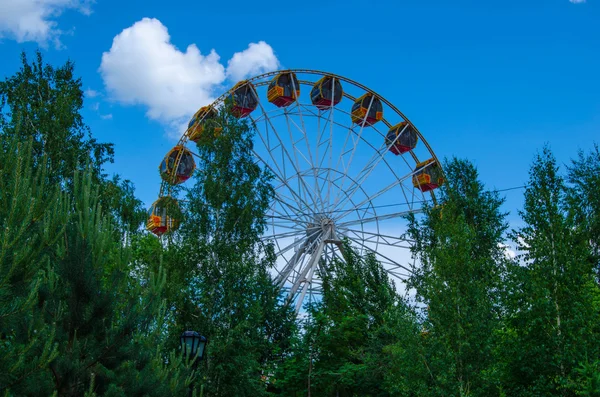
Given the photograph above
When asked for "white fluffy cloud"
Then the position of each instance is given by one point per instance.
(256, 59)
(144, 68)
(35, 20)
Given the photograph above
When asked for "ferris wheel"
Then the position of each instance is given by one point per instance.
(347, 164)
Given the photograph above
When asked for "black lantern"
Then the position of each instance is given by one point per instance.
(192, 345)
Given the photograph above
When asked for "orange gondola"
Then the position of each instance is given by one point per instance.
(181, 158)
(204, 118)
(164, 216)
(367, 109)
(243, 98)
(401, 138)
(326, 92)
(428, 176)
(284, 89)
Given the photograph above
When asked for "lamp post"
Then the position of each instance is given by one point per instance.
(192, 346)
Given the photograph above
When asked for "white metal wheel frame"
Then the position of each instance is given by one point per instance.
(333, 179)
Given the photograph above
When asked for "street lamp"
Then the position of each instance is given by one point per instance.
(192, 346)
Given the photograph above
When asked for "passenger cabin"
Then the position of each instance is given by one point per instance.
(205, 117)
(326, 92)
(177, 166)
(428, 176)
(164, 216)
(243, 98)
(367, 108)
(401, 138)
(284, 89)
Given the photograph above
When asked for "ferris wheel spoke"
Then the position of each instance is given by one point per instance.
(302, 129)
(297, 152)
(299, 200)
(285, 235)
(375, 218)
(370, 166)
(284, 201)
(295, 222)
(287, 154)
(379, 254)
(378, 194)
(376, 238)
(355, 142)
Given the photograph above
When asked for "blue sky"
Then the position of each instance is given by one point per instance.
(487, 80)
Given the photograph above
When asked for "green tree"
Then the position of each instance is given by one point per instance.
(554, 312)
(43, 103)
(459, 246)
(75, 317)
(353, 335)
(221, 266)
(583, 195)
(32, 214)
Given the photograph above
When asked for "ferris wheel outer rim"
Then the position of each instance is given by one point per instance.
(165, 185)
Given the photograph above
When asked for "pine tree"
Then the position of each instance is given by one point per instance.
(109, 326)
(554, 311)
(459, 246)
(33, 214)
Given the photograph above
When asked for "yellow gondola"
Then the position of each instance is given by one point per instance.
(164, 216)
(326, 92)
(184, 160)
(244, 99)
(401, 138)
(284, 89)
(370, 104)
(428, 176)
(205, 117)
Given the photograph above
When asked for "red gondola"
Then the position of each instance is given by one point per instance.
(182, 158)
(428, 176)
(367, 108)
(401, 138)
(244, 99)
(284, 89)
(164, 216)
(326, 92)
(206, 116)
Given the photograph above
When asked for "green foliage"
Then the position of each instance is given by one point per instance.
(221, 266)
(350, 335)
(459, 245)
(42, 103)
(32, 214)
(91, 305)
(583, 196)
(554, 313)
(74, 319)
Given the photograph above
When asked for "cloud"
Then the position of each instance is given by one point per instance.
(577, 1)
(256, 59)
(91, 93)
(509, 252)
(144, 68)
(35, 20)
(106, 116)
